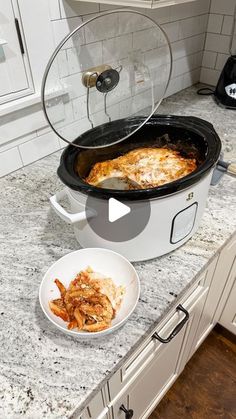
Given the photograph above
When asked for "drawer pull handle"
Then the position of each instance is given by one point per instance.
(176, 329)
(128, 413)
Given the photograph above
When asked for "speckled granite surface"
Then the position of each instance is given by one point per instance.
(45, 374)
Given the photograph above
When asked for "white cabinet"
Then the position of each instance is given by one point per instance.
(148, 4)
(15, 77)
(226, 273)
(228, 317)
(144, 380)
(213, 287)
(228, 299)
(97, 408)
(195, 311)
(136, 389)
(156, 378)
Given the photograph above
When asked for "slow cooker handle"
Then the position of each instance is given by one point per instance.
(228, 166)
(63, 214)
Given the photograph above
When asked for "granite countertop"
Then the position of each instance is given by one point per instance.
(44, 373)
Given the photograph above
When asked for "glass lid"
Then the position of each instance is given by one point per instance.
(114, 66)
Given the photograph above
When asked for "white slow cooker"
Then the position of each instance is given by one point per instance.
(100, 91)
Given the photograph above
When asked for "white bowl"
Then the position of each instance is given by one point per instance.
(108, 263)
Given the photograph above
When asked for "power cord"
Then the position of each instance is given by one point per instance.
(205, 91)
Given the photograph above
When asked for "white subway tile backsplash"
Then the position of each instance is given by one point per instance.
(187, 64)
(191, 77)
(43, 131)
(105, 7)
(221, 60)
(72, 131)
(227, 25)
(71, 8)
(209, 59)
(200, 7)
(39, 147)
(101, 29)
(224, 7)
(146, 40)
(217, 39)
(88, 56)
(117, 48)
(10, 161)
(54, 9)
(234, 45)
(63, 27)
(79, 108)
(215, 23)
(172, 30)
(188, 46)
(217, 43)
(162, 15)
(182, 11)
(17, 141)
(137, 23)
(21, 123)
(175, 85)
(63, 63)
(209, 76)
(74, 86)
(193, 26)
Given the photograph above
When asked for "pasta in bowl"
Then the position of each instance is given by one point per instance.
(88, 302)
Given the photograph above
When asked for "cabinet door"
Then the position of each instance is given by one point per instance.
(214, 283)
(225, 273)
(14, 72)
(195, 312)
(155, 379)
(228, 317)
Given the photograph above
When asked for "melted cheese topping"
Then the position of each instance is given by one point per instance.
(141, 168)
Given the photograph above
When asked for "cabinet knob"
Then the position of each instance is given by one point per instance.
(128, 413)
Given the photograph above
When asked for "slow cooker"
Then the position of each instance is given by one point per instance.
(100, 94)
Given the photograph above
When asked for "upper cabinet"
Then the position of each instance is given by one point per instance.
(148, 4)
(26, 43)
(15, 77)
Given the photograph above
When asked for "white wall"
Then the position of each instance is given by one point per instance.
(219, 30)
(23, 142)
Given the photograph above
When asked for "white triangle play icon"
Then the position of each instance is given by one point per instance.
(117, 210)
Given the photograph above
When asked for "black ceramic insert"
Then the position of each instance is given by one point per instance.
(189, 135)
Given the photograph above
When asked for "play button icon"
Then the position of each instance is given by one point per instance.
(116, 219)
(117, 210)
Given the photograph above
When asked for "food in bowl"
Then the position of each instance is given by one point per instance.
(141, 168)
(89, 303)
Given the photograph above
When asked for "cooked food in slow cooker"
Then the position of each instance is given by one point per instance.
(90, 302)
(141, 168)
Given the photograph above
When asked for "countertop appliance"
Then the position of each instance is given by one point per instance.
(225, 92)
(100, 92)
